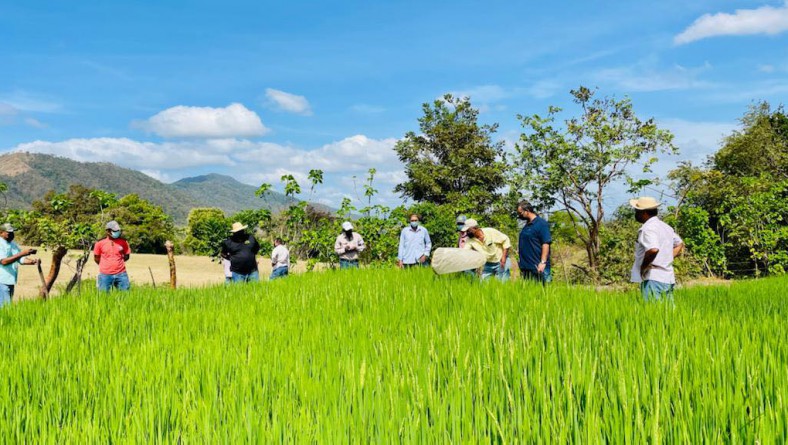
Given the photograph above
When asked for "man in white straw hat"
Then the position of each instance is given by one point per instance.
(348, 246)
(494, 244)
(240, 248)
(656, 246)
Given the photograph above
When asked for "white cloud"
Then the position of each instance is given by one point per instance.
(132, 154)
(288, 102)
(35, 123)
(181, 121)
(764, 20)
(645, 76)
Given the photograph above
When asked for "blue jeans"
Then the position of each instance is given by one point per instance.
(655, 290)
(119, 281)
(495, 269)
(241, 278)
(348, 264)
(6, 294)
(533, 275)
(279, 272)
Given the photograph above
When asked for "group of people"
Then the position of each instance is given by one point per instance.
(656, 247)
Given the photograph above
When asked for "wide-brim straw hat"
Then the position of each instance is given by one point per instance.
(644, 203)
(237, 227)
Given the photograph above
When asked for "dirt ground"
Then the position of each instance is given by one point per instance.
(193, 271)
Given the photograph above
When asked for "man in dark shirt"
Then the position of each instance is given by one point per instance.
(240, 249)
(534, 245)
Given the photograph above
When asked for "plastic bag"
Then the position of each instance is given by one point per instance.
(450, 260)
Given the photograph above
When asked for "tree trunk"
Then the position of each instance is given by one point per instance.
(77, 278)
(171, 257)
(58, 253)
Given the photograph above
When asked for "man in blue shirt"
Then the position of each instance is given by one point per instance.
(414, 245)
(11, 256)
(534, 245)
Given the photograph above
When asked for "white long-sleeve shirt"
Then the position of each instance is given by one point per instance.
(280, 257)
(348, 249)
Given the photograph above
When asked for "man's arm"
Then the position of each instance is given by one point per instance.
(648, 258)
(360, 244)
(543, 259)
(14, 258)
(401, 251)
(338, 246)
(678, 249)
(427, 246)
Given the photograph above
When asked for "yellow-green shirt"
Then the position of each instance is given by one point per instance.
(492, 247)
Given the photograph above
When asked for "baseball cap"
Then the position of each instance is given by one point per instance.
(469, 224)
(7, 227)
(347, 226)
(461, 219)
(113, 225)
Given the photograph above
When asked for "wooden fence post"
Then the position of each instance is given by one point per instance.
(171, 257)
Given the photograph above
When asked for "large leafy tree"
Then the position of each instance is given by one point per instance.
(145, 225)
(452, 158)
(573, 167)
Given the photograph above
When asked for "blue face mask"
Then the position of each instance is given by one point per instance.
(115, 234)
(459, 227)
(414, 224)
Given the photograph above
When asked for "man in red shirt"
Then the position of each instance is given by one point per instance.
(111, 254)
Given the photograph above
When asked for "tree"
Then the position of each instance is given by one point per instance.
(574, 167)
(452, 159)
(205, 231)
(145, 225)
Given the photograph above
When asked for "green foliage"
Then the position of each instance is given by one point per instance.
(145, 225)
(389, 356)
(573, 167)
(692, 224)
(760, 148)
(452, 158)
(206, 230)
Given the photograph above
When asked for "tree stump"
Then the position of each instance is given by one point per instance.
(171, 257)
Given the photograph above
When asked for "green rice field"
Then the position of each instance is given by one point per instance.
(388, 356)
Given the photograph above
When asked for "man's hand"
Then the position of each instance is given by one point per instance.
(644, 271)
(541, 267)
(399, 264)
(33, 261)
(27, 252)
(503, 263)
(422, 259)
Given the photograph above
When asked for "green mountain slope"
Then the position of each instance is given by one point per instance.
(30, 175)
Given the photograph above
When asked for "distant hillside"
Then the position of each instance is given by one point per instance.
(228, 194)
(30, 176)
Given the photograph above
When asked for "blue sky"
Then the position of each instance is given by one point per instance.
(257, 89)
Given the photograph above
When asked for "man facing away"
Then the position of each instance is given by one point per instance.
(11, 256)
(111, 254)
(280, 260)
(534, 245)
(348, 246)
(240, 248)
(494, 245)
(414, 244)
(657, 245)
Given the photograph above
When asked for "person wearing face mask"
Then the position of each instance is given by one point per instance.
(111, 254)
(11, 256)
(463, 235)
(348, 246)
(534, 245)
(494, 244)
(414, 244)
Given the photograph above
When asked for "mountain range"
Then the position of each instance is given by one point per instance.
(29, 176)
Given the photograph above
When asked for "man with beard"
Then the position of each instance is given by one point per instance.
(240, 248)
(534, 245)
(348, 246)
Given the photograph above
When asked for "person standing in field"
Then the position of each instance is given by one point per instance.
(414, 244)
(534, 245)
(11, 256)
(656, 247)
(240, 248)
(111, 254)
(280, 260)
(463, 235)
(494, 245)
(348, 246)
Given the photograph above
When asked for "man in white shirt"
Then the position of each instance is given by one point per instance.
(657, 245)
(11, 256)
(348, 246)
(280, 260)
